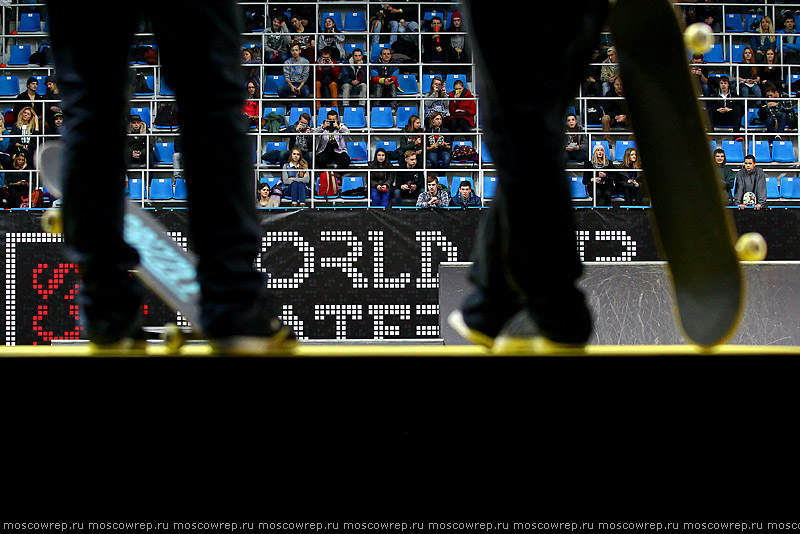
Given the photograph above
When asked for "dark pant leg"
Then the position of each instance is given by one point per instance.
(94, 90)
(200, 52)
(530, 251)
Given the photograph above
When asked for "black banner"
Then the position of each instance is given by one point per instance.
(338, 273)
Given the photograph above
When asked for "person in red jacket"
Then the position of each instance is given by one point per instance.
(462, 110)
(328, 75)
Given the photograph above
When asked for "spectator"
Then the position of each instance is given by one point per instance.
(701, 73)
(459, 47)
(437, 100)
(277, 42)
(777, 112)
(332, 147)
(576, 143)
(435, 44)
(751, 185)
(5, 142)
(296, 71)
(462, 109)
(332, 37)
(30, 98)
(726, 110)
(609, 70)
(599, 183)
(412, 141)
(748, 78)
(327, 78)
(772, 72)
(137, 141)
(465, 196)
(789, 46)
(727, 176)
(52, 98)
(252, 106)
(592, 84)
(296, 178)
(263, 200)
(399, 22)
(383, 79)
(438, 144)
(381, 180)
(177, 157)
(433, 196)
(53, 127)
(630, 183)
(614, 114)
(303, 38)
(354, 78)
(408, 181)
(765, 40)
(16, 183)
(24, 132)
(301, 137)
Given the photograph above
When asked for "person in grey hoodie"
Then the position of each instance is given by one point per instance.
(751, 179)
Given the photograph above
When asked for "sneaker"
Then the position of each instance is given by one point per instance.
(128, 346)
(521, 335)
(473, 335)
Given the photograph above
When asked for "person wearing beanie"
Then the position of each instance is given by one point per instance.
(458, 51)
(28, 96)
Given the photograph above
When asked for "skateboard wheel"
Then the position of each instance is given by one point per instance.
(52, 222)
(751, 247)
(173, 338)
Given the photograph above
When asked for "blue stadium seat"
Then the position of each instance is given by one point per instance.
(271, 84)
(381, 117)
(427, 81)
(753, 120)
(349, 184)
(489, 185)
(620, 147)
(29, 22)
(486, 157)
(576, 187)
(135, 188)
(733, 22)
(445, 181)
(294, 113)
(462, 143)
(737, 53)
(760, 149)
(163, 153)
(783, 152)
(164, 89)
(451, 80)
(388, 146)
(337, 19)
(180, 189)
(269, 146)
(277, 110)
(20, 55)
(41, 89)
(160, 189)
(750, 20)
(772, 187)
(355, 21)
(150, 84)
(144, 113)
(734, 152)
(408, 84)
(715, 55)
(355, 117)
(790, 187)
(404, 113)
(357, 150)
(793, 82)
(9, 85)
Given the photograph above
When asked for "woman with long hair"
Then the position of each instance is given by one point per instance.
(771, 71)
(749, 77)
(600, 182)
(381, 180)
(24, 131)
(631, 181)
(296, 178)
(764, 40)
